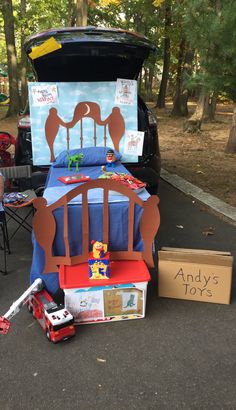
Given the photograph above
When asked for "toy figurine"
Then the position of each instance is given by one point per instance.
(77, 158)
(110, 158)
(99, 249)
(99, 261)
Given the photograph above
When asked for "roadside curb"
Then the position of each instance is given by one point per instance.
(220, 207)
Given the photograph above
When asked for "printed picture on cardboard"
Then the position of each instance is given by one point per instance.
(126, 92)
(133, 144)
(44, 95)
(85, 305)
(123, 301)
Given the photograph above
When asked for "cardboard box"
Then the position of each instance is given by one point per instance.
(192, 274)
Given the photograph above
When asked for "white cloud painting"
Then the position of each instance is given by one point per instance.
(69, 96)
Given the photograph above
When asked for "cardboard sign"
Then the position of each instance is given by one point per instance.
(198, 275)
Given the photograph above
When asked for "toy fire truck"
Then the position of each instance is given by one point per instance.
(56, 321)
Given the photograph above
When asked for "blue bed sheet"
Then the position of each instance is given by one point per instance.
(118, 236)
(55, 188)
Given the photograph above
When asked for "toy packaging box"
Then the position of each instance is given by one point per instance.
(99, 261)
(99, 268)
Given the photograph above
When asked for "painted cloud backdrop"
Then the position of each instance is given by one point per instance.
(67, 96)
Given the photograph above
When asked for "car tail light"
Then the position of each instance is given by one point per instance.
(24, 121)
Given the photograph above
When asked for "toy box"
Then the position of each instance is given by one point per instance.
(200, 275)
(121, 297)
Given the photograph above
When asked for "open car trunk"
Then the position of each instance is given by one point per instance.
(90, 54)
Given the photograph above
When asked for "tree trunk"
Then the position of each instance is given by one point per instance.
(185, 60)
(145, 70)
(81, 12)
(70, 14)
(210, 107)
(149, 82)
(138, 22)
(193, 124)
(177, 103)
(166, 58)
(231, 144)
(140, 79)
(7, 11)
(24, 61)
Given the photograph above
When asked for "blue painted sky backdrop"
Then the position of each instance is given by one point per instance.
(69, 95)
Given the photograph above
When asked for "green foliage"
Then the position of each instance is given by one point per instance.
(3, 57)
(136, 15)
(214, 38)
(39, 16)
(207, 25)
(36, 17)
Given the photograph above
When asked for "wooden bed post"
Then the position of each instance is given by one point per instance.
(81, 133)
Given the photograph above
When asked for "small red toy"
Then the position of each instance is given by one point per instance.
(129, 180)
(73, 179)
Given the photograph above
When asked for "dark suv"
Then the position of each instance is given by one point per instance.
(90, 54)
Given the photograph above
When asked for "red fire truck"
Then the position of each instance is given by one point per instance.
(56, 321)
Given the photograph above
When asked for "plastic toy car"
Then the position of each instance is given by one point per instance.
(91, 54)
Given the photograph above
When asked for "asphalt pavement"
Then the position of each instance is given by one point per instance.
(181, 356)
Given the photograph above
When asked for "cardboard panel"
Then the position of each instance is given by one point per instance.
(75, 115)
(195, 275)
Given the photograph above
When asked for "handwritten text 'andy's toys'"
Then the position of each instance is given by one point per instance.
(199, 284)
